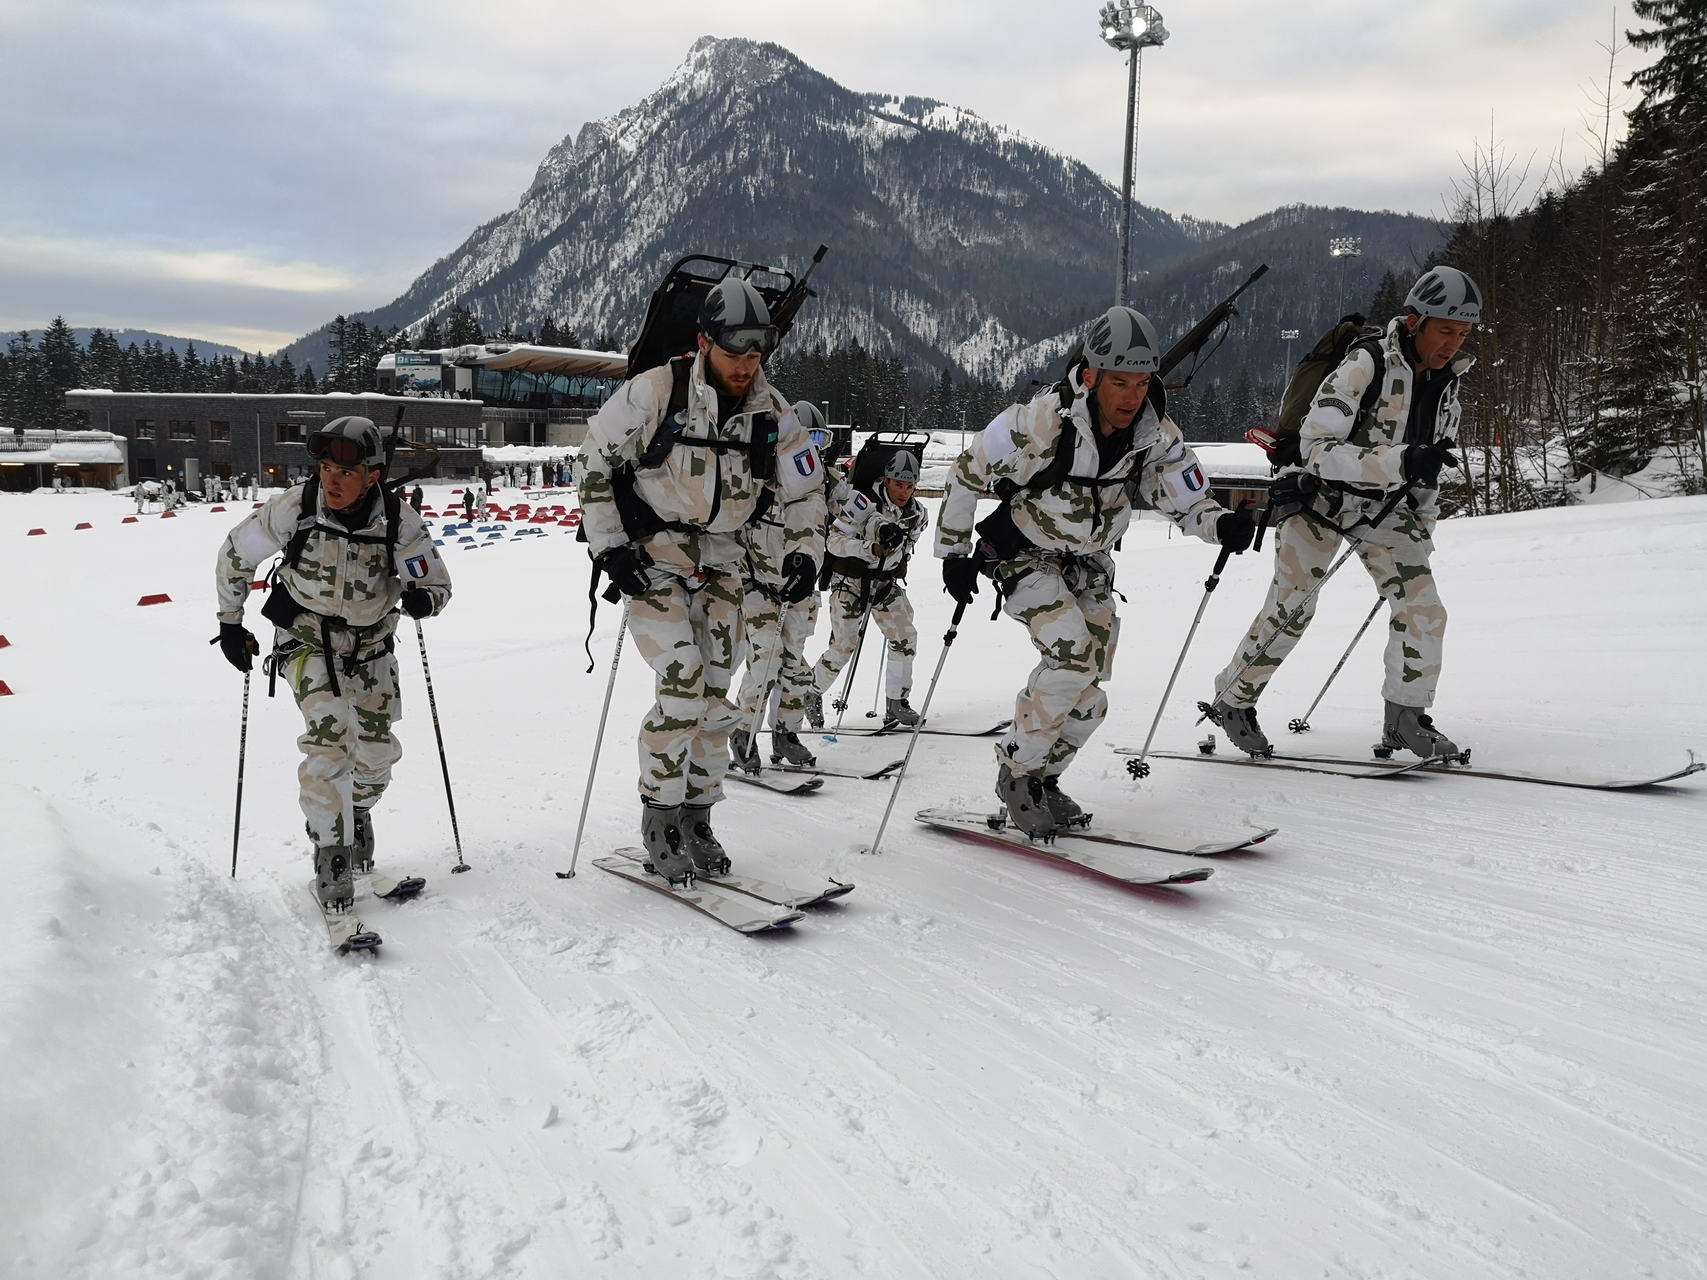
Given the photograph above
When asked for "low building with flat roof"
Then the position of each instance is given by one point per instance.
(185, 436)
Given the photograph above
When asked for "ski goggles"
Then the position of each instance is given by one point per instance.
(339, 449)
(820, 437)
(748, 339)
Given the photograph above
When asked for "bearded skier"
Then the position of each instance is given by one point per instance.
(677, 465)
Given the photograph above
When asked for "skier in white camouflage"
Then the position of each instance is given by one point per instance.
(676, 466)
(871, 540)
(1354, 464)
(351, 561)
(777, 630)
(1067, 467)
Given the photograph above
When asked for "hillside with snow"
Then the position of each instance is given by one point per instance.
(1438, 1028)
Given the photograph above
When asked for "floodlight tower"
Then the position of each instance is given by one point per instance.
(1343, 247)
(1130, 28)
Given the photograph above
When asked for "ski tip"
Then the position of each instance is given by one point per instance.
(783, 921)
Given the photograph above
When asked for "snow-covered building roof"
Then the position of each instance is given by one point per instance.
(73, 448)
(524, 357)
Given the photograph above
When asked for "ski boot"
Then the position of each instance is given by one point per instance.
(743, 752)
(1241, 727)
(787, 748)
(1411, 729)
(897, 711)
(1062, 807)
(699, 842)
(1027, 803)
(332, 880)
(815, 709)
(661, 832)
(361, 862)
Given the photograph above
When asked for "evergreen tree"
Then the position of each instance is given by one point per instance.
(309, 383)
(103, 365)
(464, 329)
(61, 365)
(194, 370)
(431, 339)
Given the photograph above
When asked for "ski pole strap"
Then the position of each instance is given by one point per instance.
(1262, 524)
(1214, 579)
(612, 593)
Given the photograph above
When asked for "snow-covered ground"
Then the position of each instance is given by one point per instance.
(1438, 1027)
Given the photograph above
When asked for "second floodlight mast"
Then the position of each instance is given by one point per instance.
(1130, 28)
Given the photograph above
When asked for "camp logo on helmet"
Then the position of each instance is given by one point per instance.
(806, 462)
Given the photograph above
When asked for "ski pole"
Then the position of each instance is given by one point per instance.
(444, 764)
(1140, 767)
(242, 755)
(841, 704)
(1354, 542)
(1302, 724)
(598, 743)
(913, 740)
(877, 689)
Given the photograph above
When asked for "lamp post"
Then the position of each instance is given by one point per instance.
(1344, 247)
(1120, 31)
(1288, 336)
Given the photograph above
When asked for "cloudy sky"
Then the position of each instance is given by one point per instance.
(241, 170)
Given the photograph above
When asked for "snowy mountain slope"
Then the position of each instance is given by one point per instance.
(942, 224)
(1436, 1028)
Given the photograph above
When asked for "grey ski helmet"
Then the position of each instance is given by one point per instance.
(349, 441)
(735, 317)
(811, 417)
(1445, 293)
(1124, 340)
(901, 465)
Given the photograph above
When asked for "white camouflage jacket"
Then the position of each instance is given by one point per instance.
(1371, 454)
(1077, 519)
(335, 576)
(853, 533)
(714, 491)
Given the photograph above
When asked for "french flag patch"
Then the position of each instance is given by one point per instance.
(806, 462)
(1193, 477)
(417, 566)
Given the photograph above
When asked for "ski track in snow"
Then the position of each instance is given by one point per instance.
(1438, 1027)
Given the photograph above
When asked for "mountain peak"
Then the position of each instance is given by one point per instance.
(732, 60)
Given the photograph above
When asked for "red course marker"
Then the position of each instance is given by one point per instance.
(162, 598)
(35, 532)
(4, 688)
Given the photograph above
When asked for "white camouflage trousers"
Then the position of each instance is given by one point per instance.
(348, 749)
(1067, 604)
(894, 618)
(776, 637)
(689, 632)
(1416, 635)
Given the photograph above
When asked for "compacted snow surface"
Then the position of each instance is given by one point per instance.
(1438, 1027)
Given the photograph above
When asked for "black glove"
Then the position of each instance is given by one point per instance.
(889, 536)
(800, 575)
(1236, 529)
(1424, 461)
(238, 645)
(626, 567)
(960, 576)
(417, 602)
(1295, 489)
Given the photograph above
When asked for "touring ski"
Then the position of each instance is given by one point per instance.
(793, 786)
(893, 730)
(1116, 865)
(391, 888)
(1545, 779)
(781, 895)
(1155, 842)
(740, 912)
(1334, 765)
(344, 929)
(830, 771)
